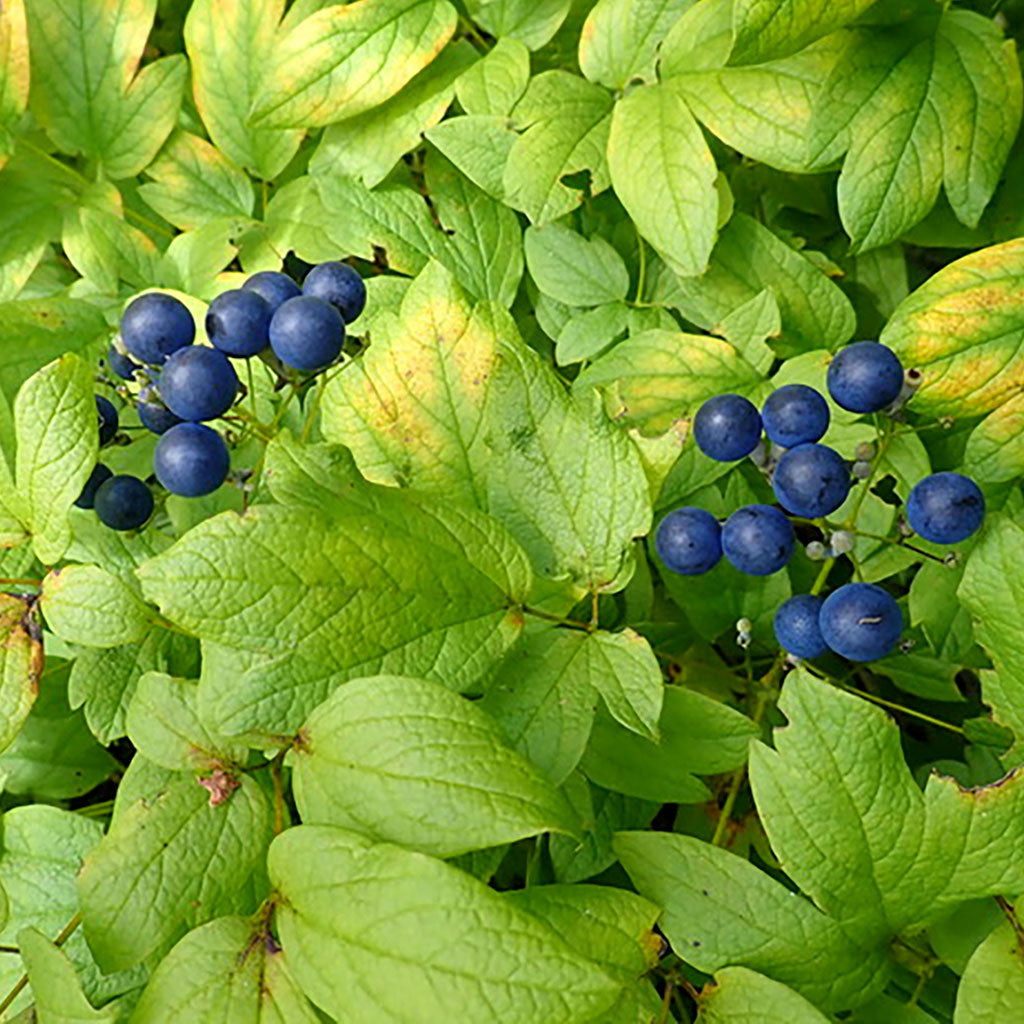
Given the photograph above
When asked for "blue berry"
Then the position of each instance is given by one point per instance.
(198, 383)
(191, 459)
(99, 475)
(153, 414)
(154, 325)
(860, 621)
(727, 428)
(797, 628)
(274, 287)
(123, 503)
(307, 333)
(689, 541)
(106, 416)
(758, 540)
(811, 480)
(865, 377)
(120, 364)
(795, 414)
(340, 285)
(237, 322)
(945, 508)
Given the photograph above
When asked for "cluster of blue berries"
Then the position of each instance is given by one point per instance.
(183, 386)
(859, 621)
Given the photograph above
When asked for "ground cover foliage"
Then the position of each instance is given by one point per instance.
(408, 721)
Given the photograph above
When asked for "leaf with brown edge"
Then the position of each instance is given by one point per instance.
(963, 329)
(21, 663)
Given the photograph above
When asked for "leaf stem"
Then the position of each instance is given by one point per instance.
(65, 934)
(641, 277)
(561, 620)
(275, 775)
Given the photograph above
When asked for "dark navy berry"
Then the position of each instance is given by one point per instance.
(340, 285)
(106, 415)
(811, 480)
(153, 414)
(198, 383)
(689, 541)
(274, 287)
(727, 428)
(797, 628)
(191, 459)
(795, 414)
(123, 503)
(307, 333)
(120, 364)
(237, 322)
(99, 475)
(860, 621)
(945, 508)
(758, 540)
(865, 377)
(154, 325)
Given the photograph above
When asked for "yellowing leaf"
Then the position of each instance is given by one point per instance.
(21, 665)
(774, 28)
(14, 74)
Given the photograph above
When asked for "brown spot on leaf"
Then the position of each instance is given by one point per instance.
(220, 784)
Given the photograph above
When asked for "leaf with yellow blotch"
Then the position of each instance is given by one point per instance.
(21, 664)
(346, 59)
(963, 329)
(13, 71)
(412, 408)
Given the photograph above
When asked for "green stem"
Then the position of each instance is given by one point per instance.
(23, 980)
(275, 775)
(641, 277)
(822, 577)
(900, 543)
(561, 620)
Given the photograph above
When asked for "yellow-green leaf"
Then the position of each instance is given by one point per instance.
(775, 28)
(14, 75)
(21, 665)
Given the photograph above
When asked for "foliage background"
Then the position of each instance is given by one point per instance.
(577, 222)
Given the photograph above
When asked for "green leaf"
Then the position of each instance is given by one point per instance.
(369, 145)
(406, 761)
(55, 423)
(479, 146)
(664, 174)
(332, 64)
(749, 258)
(531, 22)
(566, 121)
(620, 39)
(657, 377)
(412, 408)
(546, 491)
(775, 28)
(995, 448)
(739, 994)
(163, 724)
(572, 269)
(85, 604)
(21, 664)
(87, 89)
(58, 994)
(106, 250)
(769, 930)
(586, 335)
(463, 953)
(992, 985)
(168, 865)
(297, 617)
(495, 84)
(230, 47)
(749, 326)
(193, 182)
(14, 75)
(227, 970)
(701, 39)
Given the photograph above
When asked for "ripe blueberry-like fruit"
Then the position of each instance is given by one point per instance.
(796, 626)
(860, 621)
(945, 508)
(758, 540)
(307, 333)
(106, 416)
(689, 541)
(123, 503)
(154, 325)
(153, 414)
(795, 414)
(273, 286)
(198, 383)
(338, 284)
(99, 475)
(811, 480)
(120, 364)
(191, 460)
(865, 377)
(727, 428)
(237, 322)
